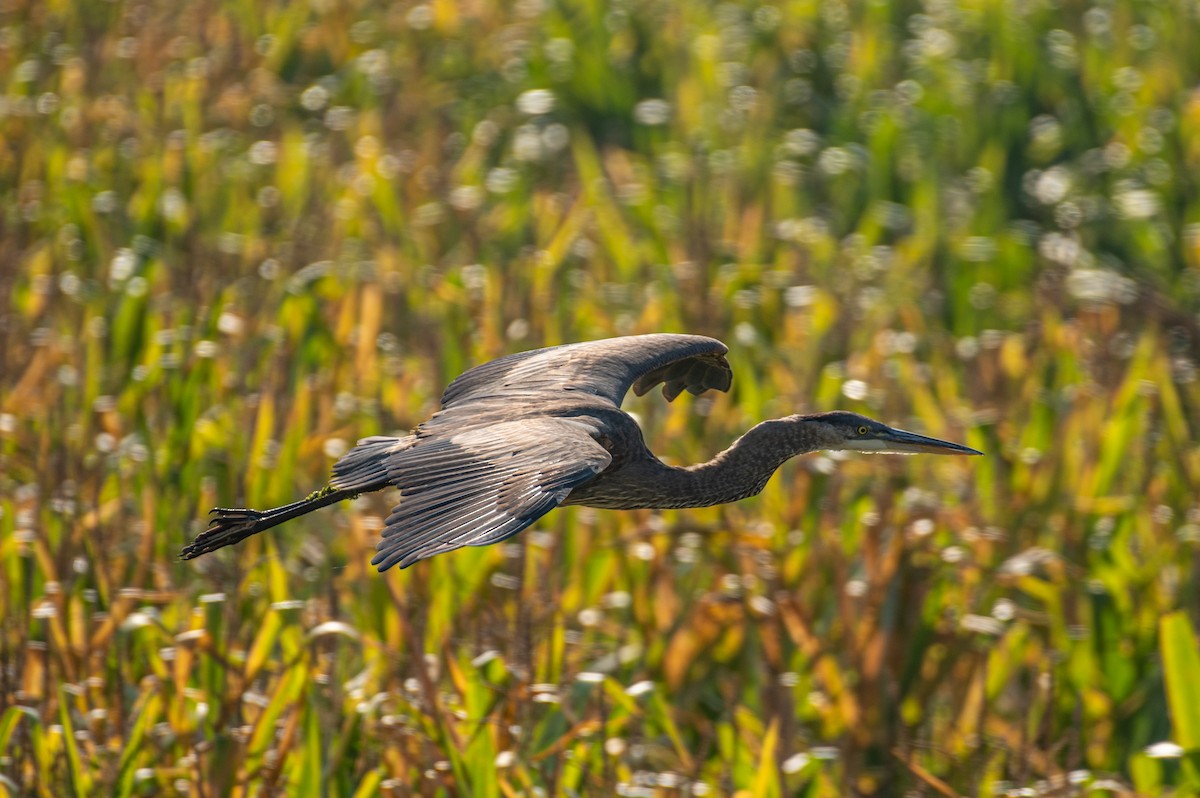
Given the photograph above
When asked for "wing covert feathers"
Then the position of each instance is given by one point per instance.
(606, 368)
(482, 485)
(364, 468)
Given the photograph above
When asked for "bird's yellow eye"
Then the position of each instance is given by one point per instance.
(862, 430)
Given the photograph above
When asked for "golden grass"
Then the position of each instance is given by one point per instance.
(236, 238)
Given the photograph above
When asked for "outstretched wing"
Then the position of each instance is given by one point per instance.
(483, 484)
(606, 368)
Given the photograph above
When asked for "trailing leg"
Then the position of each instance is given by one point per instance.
(228, 526)
(363, 469)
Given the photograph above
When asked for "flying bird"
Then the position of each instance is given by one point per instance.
(523, 434)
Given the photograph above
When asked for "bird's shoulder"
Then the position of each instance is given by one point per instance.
(606, 368)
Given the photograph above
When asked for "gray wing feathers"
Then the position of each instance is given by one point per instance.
(696, 374)
(488, 375)
(605, 368)
(483, 485)
(364, 468)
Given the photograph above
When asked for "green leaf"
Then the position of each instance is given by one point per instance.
(147, 715)
(81, 778)
(308, 780)
(9, 721)
(1181, 665)
(766, 783)
(370, 784)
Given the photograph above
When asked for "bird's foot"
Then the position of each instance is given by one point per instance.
(226, 527)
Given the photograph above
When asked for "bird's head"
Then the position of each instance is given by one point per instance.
(850, 431)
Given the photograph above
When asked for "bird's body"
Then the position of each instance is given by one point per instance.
(523, 434)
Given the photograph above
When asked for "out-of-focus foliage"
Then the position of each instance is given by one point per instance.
(237, 236)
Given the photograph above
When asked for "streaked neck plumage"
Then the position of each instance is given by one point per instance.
(740, 471)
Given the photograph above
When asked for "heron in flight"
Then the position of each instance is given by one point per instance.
(526, 433)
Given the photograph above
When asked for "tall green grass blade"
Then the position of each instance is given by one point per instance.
(147, 714)
(1181, 663)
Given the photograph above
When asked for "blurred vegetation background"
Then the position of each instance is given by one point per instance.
(238, 236)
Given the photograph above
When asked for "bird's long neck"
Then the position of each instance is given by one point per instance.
(741, 470)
